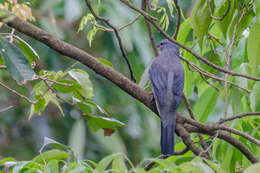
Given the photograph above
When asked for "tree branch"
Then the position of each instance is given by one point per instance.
(239, 116)
(219, 18)
(177, 28)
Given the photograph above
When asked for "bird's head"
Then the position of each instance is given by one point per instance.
(168, 45)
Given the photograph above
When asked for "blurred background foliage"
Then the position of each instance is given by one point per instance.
(139, 138)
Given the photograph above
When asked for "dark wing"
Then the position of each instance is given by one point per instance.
(178, 88)
(159, 79)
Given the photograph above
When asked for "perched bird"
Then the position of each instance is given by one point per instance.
(167, 77)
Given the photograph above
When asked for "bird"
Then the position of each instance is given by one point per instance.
(166, 75)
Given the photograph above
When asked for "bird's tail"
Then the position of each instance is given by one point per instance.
(167, 139)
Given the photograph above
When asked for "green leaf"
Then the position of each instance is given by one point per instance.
(91, 34)
(185, 28)
(257, 9)
(244, 23)
(97, 122)
(206, 104)
(7, 159)
(220, 8)
(253, 48)
(52, 167)
(82, 77)
(17, 64)
(77, 138)
(164, 163)
(66, 86)
(255, 98)
(30, 53)
(105, 61)
(253, 169)
(85, 107)
(213, 166)
(118, 164)
(47, 156)
(103, 164)
(200, 18)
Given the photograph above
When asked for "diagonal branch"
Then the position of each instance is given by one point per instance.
(239, 116)
(178, 20)
(117, 36)
(224, 15)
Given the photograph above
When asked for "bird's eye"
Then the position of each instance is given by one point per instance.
(161, 44)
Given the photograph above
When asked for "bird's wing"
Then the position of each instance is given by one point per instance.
(162, 83)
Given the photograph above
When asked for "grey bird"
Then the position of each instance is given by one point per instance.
(167, 77)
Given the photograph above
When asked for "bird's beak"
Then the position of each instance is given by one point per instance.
(158, 45)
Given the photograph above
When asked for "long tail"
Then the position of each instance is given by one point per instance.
(167, 138)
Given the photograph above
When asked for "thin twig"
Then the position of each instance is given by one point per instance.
(239, 116)
(6, 109)
(117, 36)
(229, 59)
(206, 73)
(177, 28)
(213, 141)
(121, 27)
(126, 2)
(218, 18)
(149, 29)
(130, 23)
(16, 93)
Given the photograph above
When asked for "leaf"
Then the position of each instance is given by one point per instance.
(82, 78)
(253, 48)
(103, 164)
(253, 169)
(77, 138)
(244, 23)
(118, 164)
(105, 61)
(66, 86)
(257, 9)
(206, 104)
(200, 18)
(97, 122)
(185, 28)
(17, 64)
(7, 159)
(220, 8)
(52, 167)
(255, 98)
(30, 53)
(91, 34)
(50, 155)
